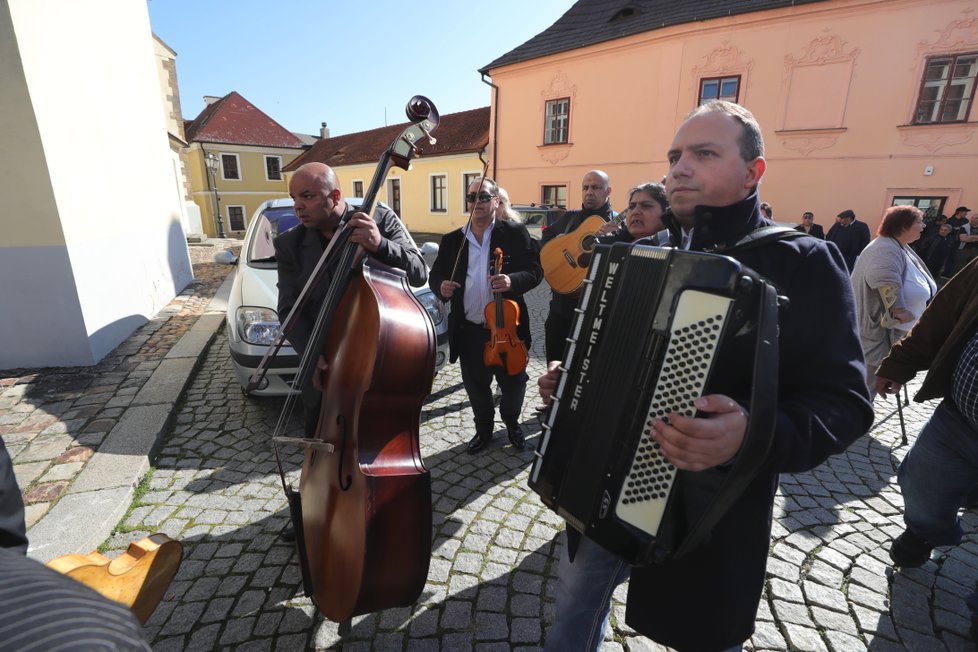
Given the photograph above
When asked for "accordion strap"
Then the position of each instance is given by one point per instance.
(760, 421)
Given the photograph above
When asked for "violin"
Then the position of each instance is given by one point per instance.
(504, 350)
(138, 578)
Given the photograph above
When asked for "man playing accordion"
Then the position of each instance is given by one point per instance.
(707, 599)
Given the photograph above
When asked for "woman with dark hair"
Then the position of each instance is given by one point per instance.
(892, 285)
(643, 219)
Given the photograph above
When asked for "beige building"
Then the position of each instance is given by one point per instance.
(863, 103)
(93, 242)
(430, 197)
(248, 150)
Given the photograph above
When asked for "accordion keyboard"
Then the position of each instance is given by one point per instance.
(693, 339)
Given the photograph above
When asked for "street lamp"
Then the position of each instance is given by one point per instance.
(212, 163)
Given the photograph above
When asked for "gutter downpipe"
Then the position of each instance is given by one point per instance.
(495, 123)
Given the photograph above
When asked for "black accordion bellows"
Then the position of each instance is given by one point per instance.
(651, 324)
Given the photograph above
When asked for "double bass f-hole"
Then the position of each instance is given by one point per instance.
(346, 482)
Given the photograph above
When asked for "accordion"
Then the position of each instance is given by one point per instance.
(650, 326)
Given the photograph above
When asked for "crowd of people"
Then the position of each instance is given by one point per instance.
(890, 321)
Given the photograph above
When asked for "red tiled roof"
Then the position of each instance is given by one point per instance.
(457, 133)
(234, 120)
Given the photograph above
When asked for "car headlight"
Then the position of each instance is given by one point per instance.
(435, 307)
(257, 325)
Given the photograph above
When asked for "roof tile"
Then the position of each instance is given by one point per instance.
(594, 21)
(234, 120)
(457, 133)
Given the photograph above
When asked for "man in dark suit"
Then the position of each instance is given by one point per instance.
(320, 208)
(850, 235)
(808, 226)
(470, 289)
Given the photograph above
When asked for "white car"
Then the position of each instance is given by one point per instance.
(252, 320)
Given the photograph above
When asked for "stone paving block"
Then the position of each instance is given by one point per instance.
(79, 521)
(827, 597)
(767, 636)
(789, 591)
(842, 642)
(803, 639)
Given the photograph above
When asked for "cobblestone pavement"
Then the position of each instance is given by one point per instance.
(491, 581)
(53, 420)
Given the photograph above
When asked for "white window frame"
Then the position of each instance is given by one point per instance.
(244, 217)
(237, 162)
(280, 177)
(431, 193)
(551, 122)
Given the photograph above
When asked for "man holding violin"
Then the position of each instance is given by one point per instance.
(460, 275)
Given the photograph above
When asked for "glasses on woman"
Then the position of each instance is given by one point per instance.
(482, 196)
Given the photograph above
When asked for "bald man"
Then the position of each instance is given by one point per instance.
(595, 200)
(320, 208)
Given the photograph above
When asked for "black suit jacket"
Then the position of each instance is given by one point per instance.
(816, 231)
(521, 263)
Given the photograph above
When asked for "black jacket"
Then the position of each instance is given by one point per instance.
(816, 231)
(522, 265)
(298, 250)
(708, 600)
(851, 240)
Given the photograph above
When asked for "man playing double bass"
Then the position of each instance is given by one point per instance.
(463, 279)
(320, 208)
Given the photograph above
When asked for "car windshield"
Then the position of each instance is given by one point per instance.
(261, 251)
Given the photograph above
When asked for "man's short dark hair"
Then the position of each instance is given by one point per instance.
(847, 214)
(751, 141)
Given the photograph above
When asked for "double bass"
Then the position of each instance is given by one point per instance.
(362, 512)
(504, 350)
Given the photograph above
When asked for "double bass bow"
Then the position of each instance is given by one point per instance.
(504, 350)
(362, 513)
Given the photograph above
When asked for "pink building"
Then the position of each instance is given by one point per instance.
(863, 103)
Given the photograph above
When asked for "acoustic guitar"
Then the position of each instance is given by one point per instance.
(138, 578)
(565, 259)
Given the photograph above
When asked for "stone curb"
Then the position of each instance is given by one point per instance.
(100, 495)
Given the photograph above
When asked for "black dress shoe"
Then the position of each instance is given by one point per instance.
(478, 442)
(910, 551)
(287, 534)
(516, 436)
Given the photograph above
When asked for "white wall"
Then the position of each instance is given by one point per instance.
(94, 187)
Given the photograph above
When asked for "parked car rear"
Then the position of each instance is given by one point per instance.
(537, 219)
(252, 320)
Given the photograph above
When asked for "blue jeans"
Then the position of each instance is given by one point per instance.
(938, 475)
(584, 589)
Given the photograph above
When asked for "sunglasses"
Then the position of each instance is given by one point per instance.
(482, 196)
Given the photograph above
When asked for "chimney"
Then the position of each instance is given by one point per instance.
(323, 130)
(210, 99)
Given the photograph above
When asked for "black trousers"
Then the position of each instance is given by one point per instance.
(556, 329)
(477, 380)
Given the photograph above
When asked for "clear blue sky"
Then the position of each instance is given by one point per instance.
(344, 62)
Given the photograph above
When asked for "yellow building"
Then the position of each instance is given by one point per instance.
(863, 103)
(430, 197)
(247, 151)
